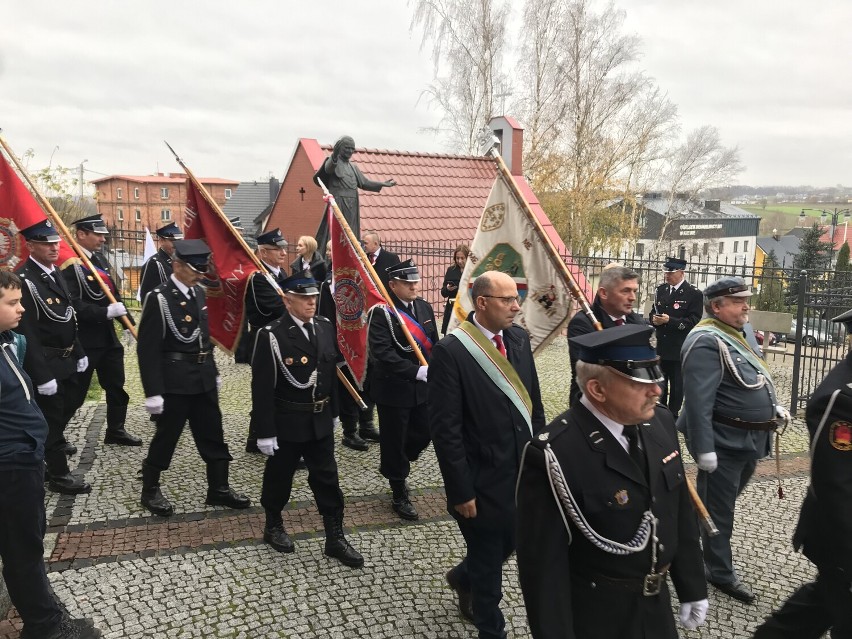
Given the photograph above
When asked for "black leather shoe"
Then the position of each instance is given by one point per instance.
(70, 449)
(370, 433)
(68, 629)
(404, 508)
(278, 538)
(465, 605)
(153, 500)
(227, 496)
(738, 590)
(341, 550)
(121, 437)
(68, 485)
(354, 442)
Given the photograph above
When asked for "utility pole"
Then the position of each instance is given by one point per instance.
(80, 203)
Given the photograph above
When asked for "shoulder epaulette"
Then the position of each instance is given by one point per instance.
(321, 318)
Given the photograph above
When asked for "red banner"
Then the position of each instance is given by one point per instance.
(230, 268)
(355, 294)
(18, 210)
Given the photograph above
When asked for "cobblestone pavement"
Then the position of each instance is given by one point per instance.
(206, 572)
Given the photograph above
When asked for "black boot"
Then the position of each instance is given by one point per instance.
(59, 477)
(351, 438)
(219, 493)
(367, 428)
(275, 535)
(336, 545)
(70, 449)
(401, 503)
(118, 435)
(68, 629)
(152, 498)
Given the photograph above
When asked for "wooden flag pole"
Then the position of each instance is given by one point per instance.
(60, 225)
(254, 258)
(356, 243)
(578, 294)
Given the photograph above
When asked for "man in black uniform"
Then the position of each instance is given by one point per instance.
(294, 395)
(605, 507)
(54, 353)
(159, 266)
(484, 406)
(380, 258)
(95, 317)
(824, 532)
(397, 382)
(180, 380)
(678, 306)
(613, 306)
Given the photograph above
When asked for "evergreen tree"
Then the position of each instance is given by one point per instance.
(771, 286)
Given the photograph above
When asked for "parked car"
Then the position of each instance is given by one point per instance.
(816, 332)
(771, 338)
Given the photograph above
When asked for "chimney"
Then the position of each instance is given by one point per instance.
(511, 137)
(274, 187)
(713, 205)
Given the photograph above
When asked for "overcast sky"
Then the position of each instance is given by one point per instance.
(233, 85)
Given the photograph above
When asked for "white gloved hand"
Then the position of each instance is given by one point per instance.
(692, 614)
(218, 382)
(707, 462)
(422, 372)
(336, 422)
(82, 363)
(129, 340)
(782, 412)
(116, 310)
(267, 445)
(154, 404)
(48, 388)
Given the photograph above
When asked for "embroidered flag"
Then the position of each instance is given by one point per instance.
(18, 210)
(355, 294)
(228, 272)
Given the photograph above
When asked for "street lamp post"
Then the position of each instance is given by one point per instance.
(834, 217)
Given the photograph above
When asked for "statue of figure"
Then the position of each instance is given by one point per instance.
(343, 179)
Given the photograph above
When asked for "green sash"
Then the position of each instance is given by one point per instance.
(497, 367)
(735, 338)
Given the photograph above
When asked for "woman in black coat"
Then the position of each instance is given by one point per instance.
(451, 282)
(309, 259)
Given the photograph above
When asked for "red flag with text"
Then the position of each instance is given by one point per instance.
(18, 210)
(229, 270)
(355, 294)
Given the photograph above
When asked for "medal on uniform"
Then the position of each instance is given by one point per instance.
(840, 436)
(188, 318)
(304, 359)
(675, 306)
(621, 497)
(289, 361)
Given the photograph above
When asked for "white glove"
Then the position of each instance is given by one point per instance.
(421, 373)
(48, 388)
(693, 613)
(267, 445)
(82, 363)
(218, 382)
(782, 412)
(129, 340)
(116, 310)
(154, 404)
(707, 462)
(336, 422)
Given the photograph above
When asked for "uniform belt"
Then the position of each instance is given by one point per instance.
(739, 423)
(649, 585)
(198, 358)
(50, 351)
(308, 407)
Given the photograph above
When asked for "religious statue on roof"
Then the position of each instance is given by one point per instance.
(343, 179)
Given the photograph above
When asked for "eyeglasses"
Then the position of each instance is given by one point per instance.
(506, 299)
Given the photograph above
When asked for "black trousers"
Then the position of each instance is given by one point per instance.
(481, 571)
(403, 435)
(322, 475)
(109, 365)
(56, 415)
(350, 413)
(205, 423)
(812, 610)
(22, 526)
(672, 385)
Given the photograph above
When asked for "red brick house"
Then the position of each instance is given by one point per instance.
(137, 201)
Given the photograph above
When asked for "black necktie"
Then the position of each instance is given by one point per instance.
(309, 327)
(671, 289)
(636, 454)
(411, 311)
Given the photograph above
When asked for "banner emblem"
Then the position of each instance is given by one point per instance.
(9, 243)
(350, 298)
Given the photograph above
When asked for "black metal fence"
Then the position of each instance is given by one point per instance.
(813, 344)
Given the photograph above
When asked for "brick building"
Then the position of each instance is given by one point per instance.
(135, 202)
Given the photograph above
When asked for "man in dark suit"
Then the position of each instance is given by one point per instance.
(824, 533)
(612, 306)
(180, 380)
(484, 405)
(396, 380)
(379, 257)
(605, 507)
(678, 306)
(159, 266)
(54, 353)
(294, 395)
(96, 323)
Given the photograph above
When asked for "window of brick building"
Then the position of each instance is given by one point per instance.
(119, 213)
(136, 193)
(164, 193)
(138, 215)
(118, 193)
(166, 215)
(227, 194)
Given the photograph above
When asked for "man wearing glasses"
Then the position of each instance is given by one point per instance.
(484, 406)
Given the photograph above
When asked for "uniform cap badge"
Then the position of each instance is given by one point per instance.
(840, 436)
(621, 497)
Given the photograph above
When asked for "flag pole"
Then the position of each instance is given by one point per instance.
(558, 262)
(578, 294)
(48, 209)
(356, 243)
(254, 258)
